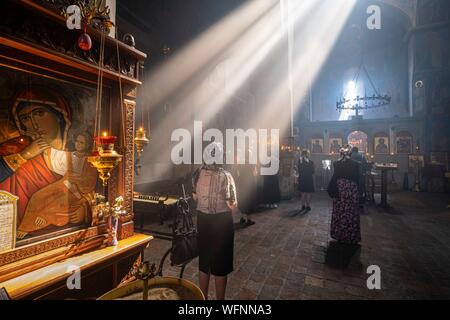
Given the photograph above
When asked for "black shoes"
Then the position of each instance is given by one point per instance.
(246, 223)
(305, 209)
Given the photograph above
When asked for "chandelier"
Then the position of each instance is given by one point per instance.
(359, 103)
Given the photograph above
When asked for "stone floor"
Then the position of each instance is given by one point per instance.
(285, 257)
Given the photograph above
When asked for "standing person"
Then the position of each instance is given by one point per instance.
(343, 188)
(306, 180)
(245, 177)
(271, 191)
(215, 192)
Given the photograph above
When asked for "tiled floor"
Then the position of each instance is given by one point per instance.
(285, 257)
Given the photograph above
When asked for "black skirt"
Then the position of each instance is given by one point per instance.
(306, 183)
(306, 176)
(215, 243)
(271, 190)
(246, 194)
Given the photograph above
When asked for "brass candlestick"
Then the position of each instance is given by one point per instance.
(417, 168)
(416, 187)
(105, 165)
(392, 159)
(145, 272)
(105, 159)
(140, 141)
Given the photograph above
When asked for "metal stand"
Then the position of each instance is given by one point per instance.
(325, 180)
(416, 187)
(393, 182)
(183, 208)
(369, 192)
(384, 188)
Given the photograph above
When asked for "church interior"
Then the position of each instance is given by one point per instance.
(238, 150)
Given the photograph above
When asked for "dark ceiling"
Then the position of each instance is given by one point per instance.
(176, 22)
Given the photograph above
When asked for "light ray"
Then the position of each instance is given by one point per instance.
(253, 39)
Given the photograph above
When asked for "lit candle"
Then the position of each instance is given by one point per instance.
(105, 143)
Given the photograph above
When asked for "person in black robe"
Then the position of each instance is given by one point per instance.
(271, 191)
(245, 178)
(306, 180)
(343, 188)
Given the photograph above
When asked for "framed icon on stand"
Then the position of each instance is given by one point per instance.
(335, 145)
(381, 144)
(316, 145)
(404, 142)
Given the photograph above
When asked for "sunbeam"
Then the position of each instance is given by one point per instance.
(285, 41)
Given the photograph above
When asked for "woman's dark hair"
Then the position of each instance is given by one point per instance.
(345, 150)
(211, 150)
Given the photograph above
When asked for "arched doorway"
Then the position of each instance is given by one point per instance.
(358, 139)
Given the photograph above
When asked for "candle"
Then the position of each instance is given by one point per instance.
(105, 143)
(140, 135)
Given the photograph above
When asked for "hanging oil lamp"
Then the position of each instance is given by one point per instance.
(140, 140)
(105, 158)
(84, 40)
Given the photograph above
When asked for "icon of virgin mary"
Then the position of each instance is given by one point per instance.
(37, 168)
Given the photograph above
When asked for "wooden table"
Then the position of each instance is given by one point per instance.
(385, 168)
(100, 271)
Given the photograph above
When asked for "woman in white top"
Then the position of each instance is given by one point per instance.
(215, 192)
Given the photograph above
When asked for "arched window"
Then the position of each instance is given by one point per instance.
(358, 139)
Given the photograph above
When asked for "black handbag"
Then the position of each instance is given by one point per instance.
(184, 242)
(332, 189)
